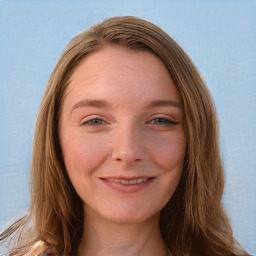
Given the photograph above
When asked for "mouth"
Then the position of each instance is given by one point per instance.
(128, 185)
(129, 181)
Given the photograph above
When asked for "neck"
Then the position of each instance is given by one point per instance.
(104, 238)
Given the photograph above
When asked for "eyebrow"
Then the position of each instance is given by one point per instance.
(163, 103)
(92, 103)
(106, 105)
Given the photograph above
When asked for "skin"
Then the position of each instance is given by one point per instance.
(121, 119)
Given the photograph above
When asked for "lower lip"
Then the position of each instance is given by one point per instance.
(128, 188)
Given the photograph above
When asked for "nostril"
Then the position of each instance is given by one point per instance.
(126, 157)
(128, 150)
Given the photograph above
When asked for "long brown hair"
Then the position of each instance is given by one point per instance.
(194, 221)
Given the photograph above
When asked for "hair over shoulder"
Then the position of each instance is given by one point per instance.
(194, 221)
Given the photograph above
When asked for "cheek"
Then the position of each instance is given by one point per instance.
(82, 153)
(169, 151)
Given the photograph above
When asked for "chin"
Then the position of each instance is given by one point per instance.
(129, 216)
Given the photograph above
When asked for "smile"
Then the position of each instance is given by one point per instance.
(127, 182)
(128, 185)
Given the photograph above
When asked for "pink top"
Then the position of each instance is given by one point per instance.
(49, 252)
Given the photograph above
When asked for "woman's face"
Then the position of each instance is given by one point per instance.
(121, 135)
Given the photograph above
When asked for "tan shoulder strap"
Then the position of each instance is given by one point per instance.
(37, 249)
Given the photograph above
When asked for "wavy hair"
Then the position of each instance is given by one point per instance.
(193, 222)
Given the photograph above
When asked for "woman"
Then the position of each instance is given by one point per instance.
(126, 157)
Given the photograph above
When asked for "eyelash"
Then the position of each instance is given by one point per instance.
(166, 121)
(89, 122)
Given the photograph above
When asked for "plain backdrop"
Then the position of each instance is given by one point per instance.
(219, 36)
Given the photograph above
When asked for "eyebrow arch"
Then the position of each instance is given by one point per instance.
(106, 105)
(92, 103)
(163, 103)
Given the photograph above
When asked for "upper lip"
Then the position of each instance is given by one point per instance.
(126, 178)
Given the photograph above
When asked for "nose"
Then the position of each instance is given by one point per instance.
(128, 146)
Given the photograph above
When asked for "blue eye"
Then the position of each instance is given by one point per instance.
(95, 122)
(162, 121)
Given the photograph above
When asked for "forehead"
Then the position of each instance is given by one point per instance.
(121, 71)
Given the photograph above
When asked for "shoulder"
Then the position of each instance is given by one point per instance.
(40, 248)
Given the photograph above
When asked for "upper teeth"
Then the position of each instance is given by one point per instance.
(134, 181)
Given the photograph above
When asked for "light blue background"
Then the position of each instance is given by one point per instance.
(220, 36)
